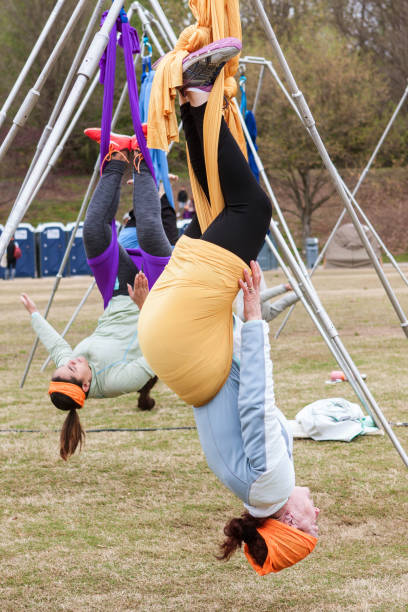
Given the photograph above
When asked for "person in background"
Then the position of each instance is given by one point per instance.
(182, 198)
(269, 311)
(189, 209)
(12, 250)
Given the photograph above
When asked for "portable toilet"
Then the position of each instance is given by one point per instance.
(51, 242)
(266, 258)
(77, 257)
(26, 264)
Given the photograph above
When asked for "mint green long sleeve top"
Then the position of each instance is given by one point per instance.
(112, 351)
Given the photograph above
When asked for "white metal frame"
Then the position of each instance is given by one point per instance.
(291, 262)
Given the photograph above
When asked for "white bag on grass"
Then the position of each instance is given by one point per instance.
(332, 419)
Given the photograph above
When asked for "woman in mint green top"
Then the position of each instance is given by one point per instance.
(109, 362)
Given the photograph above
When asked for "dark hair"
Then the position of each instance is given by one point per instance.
(72, 433)
(240, 530)
(182, 195)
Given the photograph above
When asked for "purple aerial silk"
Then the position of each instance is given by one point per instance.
(108, 79)
(129, 40)
(105, 266)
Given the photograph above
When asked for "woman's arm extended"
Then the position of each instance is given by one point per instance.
(59, 350)
(265, 441)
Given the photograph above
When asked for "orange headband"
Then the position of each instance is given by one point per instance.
(286, 546)
(73, 391)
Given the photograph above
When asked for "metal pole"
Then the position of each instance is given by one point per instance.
(33, 95)
(333, 349)
(64, 90)
(360, 181)
(333, 334)
(310, 124)
(146, 26)
(164, 21)
(269, 65)
(72, 320)
(258, 88)
(153, 20)
(344, 211)
(85, 71)
(30, 60)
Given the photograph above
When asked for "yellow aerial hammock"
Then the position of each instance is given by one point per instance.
(216, 19)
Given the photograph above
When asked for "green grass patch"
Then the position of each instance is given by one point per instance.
(134, 521)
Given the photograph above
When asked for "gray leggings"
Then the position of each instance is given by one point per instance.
(97, 232)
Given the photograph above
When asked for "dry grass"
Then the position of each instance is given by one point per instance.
(133, 522)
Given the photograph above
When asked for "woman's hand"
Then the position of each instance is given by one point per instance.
(251, 290)
(139, 292)
(28, 303)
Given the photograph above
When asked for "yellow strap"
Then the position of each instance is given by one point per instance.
(216, 19)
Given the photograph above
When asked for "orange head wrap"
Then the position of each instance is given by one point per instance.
(286, 546)
(73, 391)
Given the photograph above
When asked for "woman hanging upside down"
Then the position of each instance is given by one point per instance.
(221, 365)
(109, 362)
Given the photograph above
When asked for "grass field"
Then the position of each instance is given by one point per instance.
(133, 522)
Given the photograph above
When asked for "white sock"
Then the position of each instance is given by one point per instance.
(195, 89)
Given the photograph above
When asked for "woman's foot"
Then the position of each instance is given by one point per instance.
(118, 142)
(119, 145)
(201, 68)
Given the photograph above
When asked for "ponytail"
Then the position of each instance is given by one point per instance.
(72, 433)
(244, 529)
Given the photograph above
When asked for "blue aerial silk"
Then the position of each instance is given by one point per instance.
(159, 158)
(250, 123)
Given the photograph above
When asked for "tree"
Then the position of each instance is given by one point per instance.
(347, 97)
(379, 26)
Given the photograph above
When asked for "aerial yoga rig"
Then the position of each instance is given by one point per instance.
(158, 33)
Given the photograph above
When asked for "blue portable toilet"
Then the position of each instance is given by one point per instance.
(312, 251)
(51, 243)
(77, 257)
(266, 258)
(25, 236)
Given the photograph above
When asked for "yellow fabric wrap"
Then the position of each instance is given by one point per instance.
(185, 325)
(216, 19)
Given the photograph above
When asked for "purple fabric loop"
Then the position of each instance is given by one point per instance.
(108, 91)
(129, 40)
(134, 98)
(105, 266)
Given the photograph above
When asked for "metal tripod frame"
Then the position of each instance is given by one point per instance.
(30, 60)
(389, 291)
(305, 282)
(85, 72)
(33, 95)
